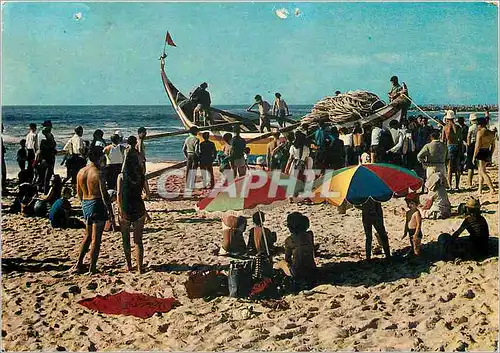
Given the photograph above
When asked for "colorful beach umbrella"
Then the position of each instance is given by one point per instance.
(250, 191)
(357, 184)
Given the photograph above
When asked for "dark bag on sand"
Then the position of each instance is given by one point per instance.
(240, 279)
(262, 266)
(206, 283)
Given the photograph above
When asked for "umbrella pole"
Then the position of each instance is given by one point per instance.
(263, 232)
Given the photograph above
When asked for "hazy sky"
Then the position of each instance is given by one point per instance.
(445, 52)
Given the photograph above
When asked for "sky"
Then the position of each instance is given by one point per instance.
(107, 53)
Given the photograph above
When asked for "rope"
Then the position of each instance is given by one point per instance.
(345, 107)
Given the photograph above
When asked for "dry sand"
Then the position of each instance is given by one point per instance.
(367, 306)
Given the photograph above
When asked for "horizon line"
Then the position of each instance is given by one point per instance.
(220, 105)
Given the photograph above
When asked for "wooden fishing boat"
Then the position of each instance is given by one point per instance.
(249, 129)
(257, 141)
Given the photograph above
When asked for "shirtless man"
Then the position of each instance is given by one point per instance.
(485, 143)
(452, 138)
(91, 189)
(271, 146)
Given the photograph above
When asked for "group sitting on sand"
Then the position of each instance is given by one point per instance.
(299, 248)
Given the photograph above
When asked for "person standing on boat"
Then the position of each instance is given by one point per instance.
(398, 96)
(201, 98)
(280, 109)
(264, 108)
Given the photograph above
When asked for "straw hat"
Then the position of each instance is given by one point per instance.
(473, 117)
(473, 203)
(450, 115)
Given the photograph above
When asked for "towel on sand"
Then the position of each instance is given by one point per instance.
(135, 304)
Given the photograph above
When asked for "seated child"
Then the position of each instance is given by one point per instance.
(256, 242)
(299, 252)
(232, 231)
(413, 225)
(43, 204)
(25, 200)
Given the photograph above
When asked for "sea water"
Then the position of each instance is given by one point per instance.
(126, 119)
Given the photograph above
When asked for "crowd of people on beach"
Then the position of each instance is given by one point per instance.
(437, 154)
(110, 179)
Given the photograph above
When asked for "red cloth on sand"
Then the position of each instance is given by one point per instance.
(135, 304)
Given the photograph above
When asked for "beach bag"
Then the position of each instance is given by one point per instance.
(262, 266)
(205, 283)
(240, 279)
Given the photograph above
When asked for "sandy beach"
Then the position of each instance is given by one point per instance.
(418, 304)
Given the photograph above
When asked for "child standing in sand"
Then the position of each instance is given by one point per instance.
(413, 224)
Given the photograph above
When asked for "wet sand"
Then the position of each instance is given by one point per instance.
(421, 304)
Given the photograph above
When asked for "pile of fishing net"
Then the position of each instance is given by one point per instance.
(344, 108)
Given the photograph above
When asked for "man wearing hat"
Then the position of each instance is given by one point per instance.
(477, 227)
(471, 145)
(452, 137)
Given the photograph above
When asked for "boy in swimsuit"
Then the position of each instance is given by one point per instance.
(91, 189)
(485, 142)
(413, 224)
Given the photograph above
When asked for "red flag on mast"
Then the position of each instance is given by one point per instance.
(169, 41)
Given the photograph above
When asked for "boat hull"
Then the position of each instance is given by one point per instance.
(257, 148)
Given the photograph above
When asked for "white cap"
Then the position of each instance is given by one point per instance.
(473, 117)
(450, 114)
